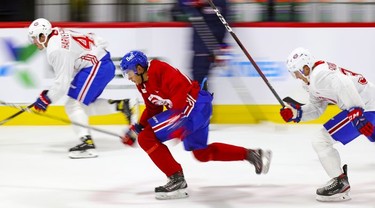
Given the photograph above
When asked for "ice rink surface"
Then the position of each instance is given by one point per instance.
(35, 171)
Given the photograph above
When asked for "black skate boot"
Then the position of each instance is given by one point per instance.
(261, 159)
(84, 150)
(124, 107)
(337, 189)
(174, 189)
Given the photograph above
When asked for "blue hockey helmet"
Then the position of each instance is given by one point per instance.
(131, 60)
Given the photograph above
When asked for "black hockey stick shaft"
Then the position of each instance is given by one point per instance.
(16, 114)
(76, 123)
(54, 118)
(229, 29)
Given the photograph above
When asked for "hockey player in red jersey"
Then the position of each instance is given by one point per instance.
(187, 117)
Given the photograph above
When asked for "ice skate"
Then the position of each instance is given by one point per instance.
(174, 189)
(261, 160)
(337, 189)
(84, 150)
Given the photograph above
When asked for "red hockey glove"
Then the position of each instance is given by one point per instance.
(357, 118)
(293, 112)
(132, 134)
(41, 104)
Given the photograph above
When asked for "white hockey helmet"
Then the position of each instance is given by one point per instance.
(297, 59)
(38, 27)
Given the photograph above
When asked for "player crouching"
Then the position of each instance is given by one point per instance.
(327, 83)
(177, 108)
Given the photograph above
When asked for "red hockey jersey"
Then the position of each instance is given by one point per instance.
(166, 86)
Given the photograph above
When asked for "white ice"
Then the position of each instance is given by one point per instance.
(35, 171)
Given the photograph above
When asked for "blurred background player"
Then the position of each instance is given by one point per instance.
(187, 118)
(82, 68)
(209, 32)
(352, 93)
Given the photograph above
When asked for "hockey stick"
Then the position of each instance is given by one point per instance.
(60, 119)
(16, 114)
(75, 123)
(229, 29)
(293, 101)
(209, 40)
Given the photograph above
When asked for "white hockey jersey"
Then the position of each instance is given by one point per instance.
(332, 84)
(68, 52)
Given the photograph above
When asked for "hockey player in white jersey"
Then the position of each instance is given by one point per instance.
(82, 68)
(328, 83)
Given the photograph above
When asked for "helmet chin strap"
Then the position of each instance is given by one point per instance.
(306, 79)
(43, 44)
(141, 75)
(300, 75)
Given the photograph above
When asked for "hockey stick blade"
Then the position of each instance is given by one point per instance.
(292, 101)
(22, 110)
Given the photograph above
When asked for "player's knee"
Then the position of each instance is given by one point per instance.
(72, 106)
(322, 141)
(142, 141)
(146, 140)
(204, 155)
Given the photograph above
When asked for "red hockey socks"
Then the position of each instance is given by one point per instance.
(158, 152)
(220, 152)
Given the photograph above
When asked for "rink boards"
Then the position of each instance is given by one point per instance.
(240, 95)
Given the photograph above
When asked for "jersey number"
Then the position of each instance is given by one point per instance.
(84, 41)
(361, 78)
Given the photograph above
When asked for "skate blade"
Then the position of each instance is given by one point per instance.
(178, 194)
(92, 153)
(335, 198)
(266, 157)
